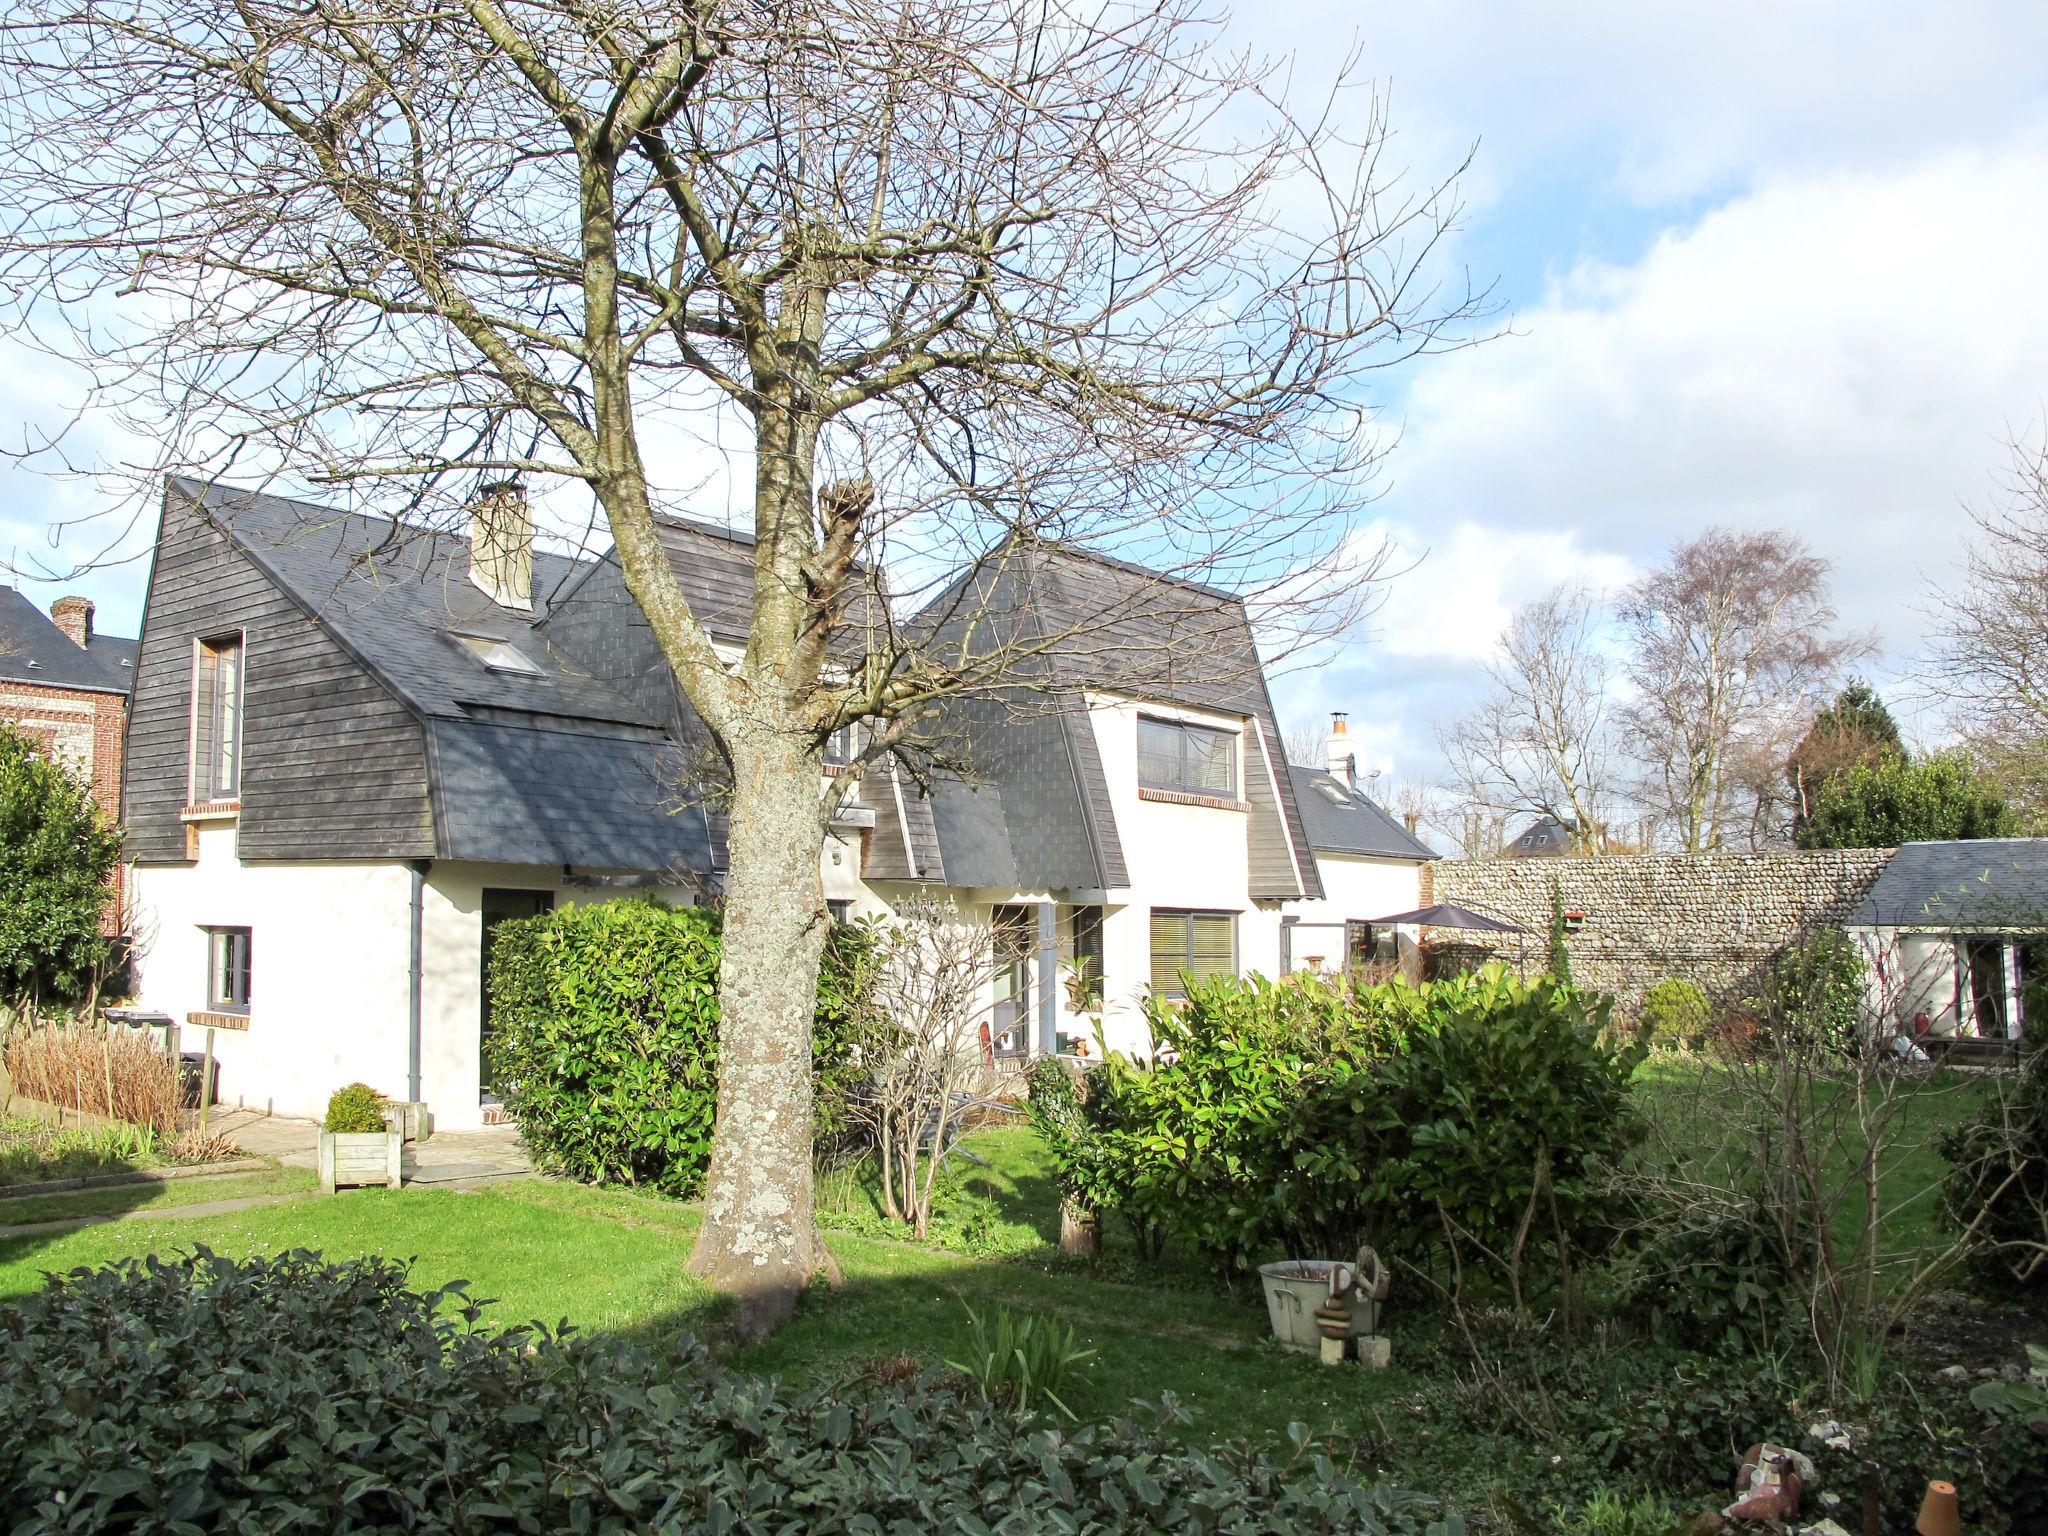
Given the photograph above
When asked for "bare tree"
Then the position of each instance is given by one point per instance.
(1990, 640)
(926, 1050)
(1036, 273)
(1539, 742)
(1732, 645)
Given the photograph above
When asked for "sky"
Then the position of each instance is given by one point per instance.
(1763, 263)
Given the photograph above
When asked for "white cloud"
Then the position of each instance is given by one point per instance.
(1683, 97)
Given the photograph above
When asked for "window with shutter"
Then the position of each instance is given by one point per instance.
(1197, 944)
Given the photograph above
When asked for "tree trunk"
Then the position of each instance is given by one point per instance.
(1080, 1231)
(760, 1236)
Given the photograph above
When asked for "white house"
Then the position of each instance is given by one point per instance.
(1956, 936)
(350, 755)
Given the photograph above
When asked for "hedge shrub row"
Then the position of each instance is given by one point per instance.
(605, 1037)
(1300, 1118)
(286, 1394)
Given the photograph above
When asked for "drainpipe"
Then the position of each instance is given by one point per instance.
(1048, 978)
(414, 914)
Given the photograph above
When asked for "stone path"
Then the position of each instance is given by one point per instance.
(447, 1159)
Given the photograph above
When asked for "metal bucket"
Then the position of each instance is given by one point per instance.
(1296, 1287)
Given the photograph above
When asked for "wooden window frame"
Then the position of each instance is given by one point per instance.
(203, 780)
(1184, 730)
(220, 942)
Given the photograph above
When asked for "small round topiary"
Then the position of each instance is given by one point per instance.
(1675, 1014)
(355, 1109)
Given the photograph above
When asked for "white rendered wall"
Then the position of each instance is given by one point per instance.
(329, 960)
(1355, 889)
(1910, 973)
(329, 977)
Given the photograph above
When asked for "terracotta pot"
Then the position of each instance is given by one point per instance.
(1939, 1515)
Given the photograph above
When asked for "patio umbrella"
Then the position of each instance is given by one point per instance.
(1447, 914)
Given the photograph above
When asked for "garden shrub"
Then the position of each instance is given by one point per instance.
(1997, 1177)
(287, 1394)
(1301, 1118)
(355, 1110)
(1814, 994)
(1675, 1014)
(58, 851)
(605, 1037)
(1497, 1127)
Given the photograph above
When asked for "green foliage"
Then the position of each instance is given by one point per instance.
(1704, 1279)
(1560, 953)
(1997, 1177)
(1608, 1513)
(2025, 1400)
(1018, 1358)
(58, 851)
(1492, 1133)
(605, 1037)
(1934, 798)
(1675, 1014)
(1814, 993)
(355, 1110)
(1301, 1118)
(288, 1394)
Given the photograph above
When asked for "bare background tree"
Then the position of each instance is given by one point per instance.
(924, 1050)
(1732, 646)
(955, 275)
(1539, 743)
(1990, 650)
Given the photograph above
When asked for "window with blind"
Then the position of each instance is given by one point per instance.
(1190, 758)
(217, 720)
(1197, 944)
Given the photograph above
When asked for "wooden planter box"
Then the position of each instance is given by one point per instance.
(360, 1157)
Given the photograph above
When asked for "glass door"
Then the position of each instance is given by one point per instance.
(1010, 1022)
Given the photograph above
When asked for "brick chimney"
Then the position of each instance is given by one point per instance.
(501, 545)
(73, 615)
(1343, 760)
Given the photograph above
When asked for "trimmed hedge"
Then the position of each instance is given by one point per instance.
(605, 1037)
(285, 1394)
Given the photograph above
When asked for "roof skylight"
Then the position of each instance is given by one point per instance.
(500, 655)
(1332, 793)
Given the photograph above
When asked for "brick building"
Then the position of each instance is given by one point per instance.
(67, 687)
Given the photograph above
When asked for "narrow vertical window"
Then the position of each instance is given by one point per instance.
(217, 720)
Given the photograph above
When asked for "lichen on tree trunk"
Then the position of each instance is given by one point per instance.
(759, 1239)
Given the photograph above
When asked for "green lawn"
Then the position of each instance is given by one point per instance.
(613, 1261)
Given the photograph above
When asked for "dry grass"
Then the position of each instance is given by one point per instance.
(99, 1071)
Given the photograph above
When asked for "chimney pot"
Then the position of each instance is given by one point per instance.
(1342, 760)
(73, 615)
(501, 545)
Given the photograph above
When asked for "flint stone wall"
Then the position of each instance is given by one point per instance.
(1717, 919)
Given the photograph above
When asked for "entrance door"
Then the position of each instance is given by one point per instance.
(500, 906)
(1985, 959)
(1010, 1024)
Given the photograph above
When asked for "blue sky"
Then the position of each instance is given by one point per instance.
(1767, 262)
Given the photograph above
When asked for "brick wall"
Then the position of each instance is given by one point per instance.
(1716, 919)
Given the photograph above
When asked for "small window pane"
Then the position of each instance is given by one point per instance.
(1212, 951)
(1209, 762)
(228, 970)
(1158, 752)
(1169, 951)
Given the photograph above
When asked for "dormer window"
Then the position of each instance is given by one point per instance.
(499, 655)
(1188, 759)
(217, 719)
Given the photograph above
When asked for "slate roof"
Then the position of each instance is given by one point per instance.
(1342, 820)
(1032, 808)
(550, 768)
(1989, 883)
(34, 650)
